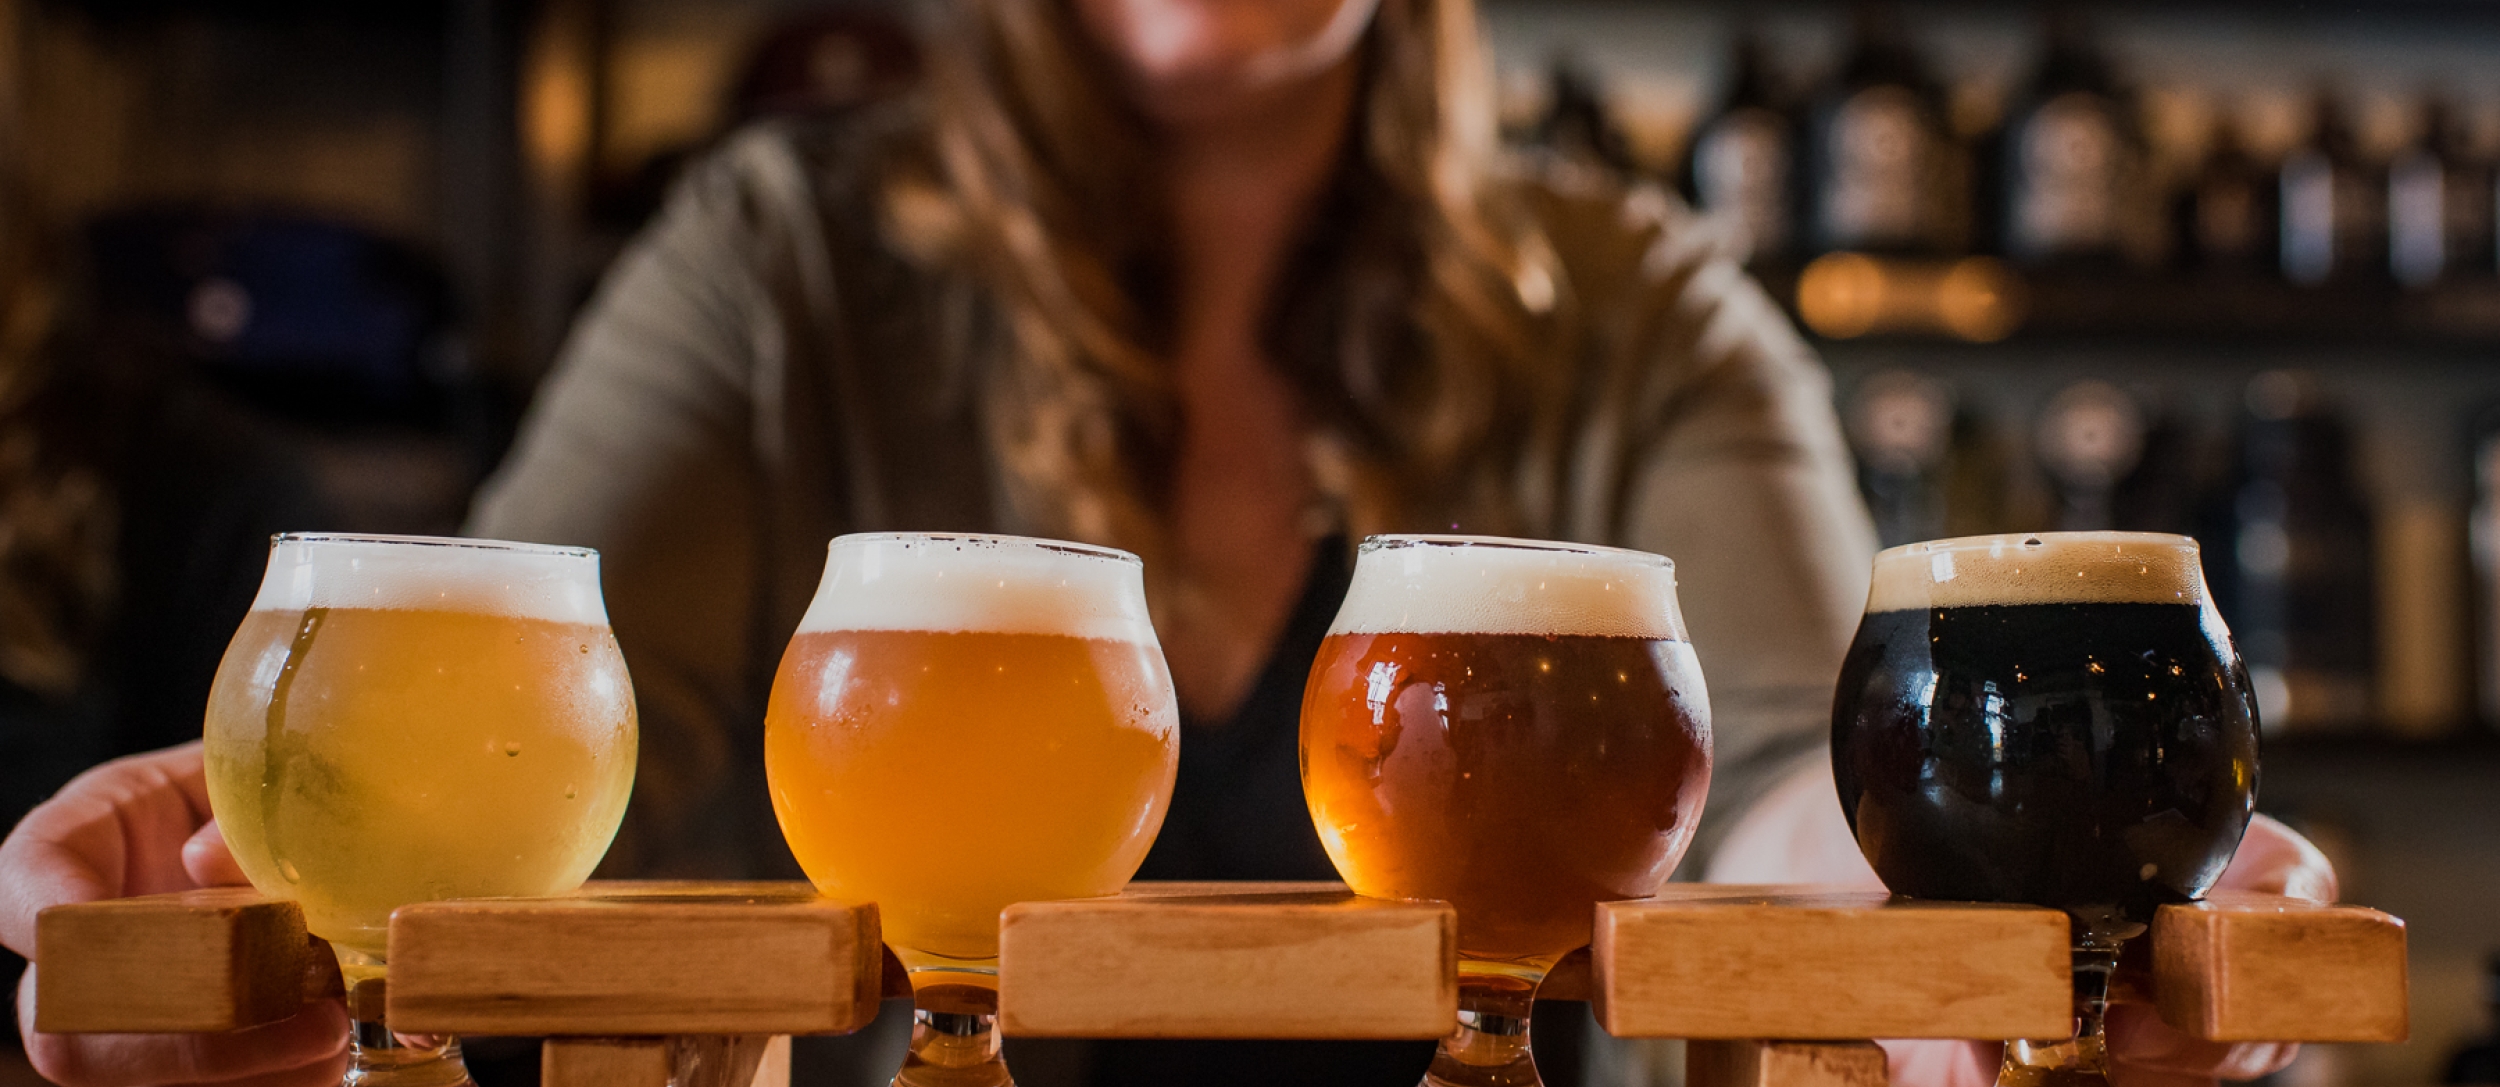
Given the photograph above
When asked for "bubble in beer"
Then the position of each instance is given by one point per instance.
(287, 868)
(512, 749)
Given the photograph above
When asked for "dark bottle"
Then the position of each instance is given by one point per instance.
(2114, 461)
(2071, 159)
(2333, 206)
(2439, 204)
(1881, 167)
(2484, 536)
(1578, 126)
(1743, 166)
(2478, 1060)
(1927, 466)
(2296, 568)
(2226, 219)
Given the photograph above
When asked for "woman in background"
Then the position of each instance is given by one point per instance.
(1227, 283)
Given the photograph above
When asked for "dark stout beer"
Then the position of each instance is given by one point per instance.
(2054, 720)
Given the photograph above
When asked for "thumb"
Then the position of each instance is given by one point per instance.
(208, 862)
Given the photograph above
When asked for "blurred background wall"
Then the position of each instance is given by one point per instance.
(363, 228)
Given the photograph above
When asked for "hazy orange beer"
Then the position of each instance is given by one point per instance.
(966, 722)
(1517, 728)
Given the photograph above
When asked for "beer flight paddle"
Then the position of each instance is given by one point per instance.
(1504, 742)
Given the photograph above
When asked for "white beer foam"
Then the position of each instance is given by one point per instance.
(2040, 568)
(1488, 585)
(412, 573)
(992, 584)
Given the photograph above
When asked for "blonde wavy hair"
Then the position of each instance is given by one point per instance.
(56, 514)
(1421, 330)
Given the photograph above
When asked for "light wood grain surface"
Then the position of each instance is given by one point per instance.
(697, 1061)
(199, 961)
(1757, 1063)
(1718, 961)
(1228, 960)
(638, 959)
(2250, 968)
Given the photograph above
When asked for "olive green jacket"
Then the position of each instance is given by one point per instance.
(758, 374)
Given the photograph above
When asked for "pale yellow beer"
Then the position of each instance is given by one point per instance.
(963, 723)
(401, 721)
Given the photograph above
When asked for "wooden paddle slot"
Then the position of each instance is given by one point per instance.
(1228, 960)
(2244, 967)
(1795, 963)
(1720, 1063)
(196, 962)
(638, 959)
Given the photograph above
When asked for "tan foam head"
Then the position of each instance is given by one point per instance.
(1488, 585)
(427, 573)
(991, 584)
(2040, 568)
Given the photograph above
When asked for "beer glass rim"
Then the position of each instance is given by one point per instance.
(1036, 543)
(447, 542)
(1961, 544)
(1397, 541)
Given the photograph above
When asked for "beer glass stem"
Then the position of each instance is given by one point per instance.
(2082, 1059)
(378, 1058)
(954, 1039)
(1490, 1046)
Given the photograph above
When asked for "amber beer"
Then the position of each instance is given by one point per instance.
(966, 722)
(400, 720)
(1516, 728)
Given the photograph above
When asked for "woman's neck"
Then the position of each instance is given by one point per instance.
(1239, 193)
(1238, 190)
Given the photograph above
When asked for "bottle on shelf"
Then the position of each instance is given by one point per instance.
(2071, 159)
(1927, 465)
(1742, 171)
(2333, 205)
(2440, 200)
(2296, 570)
(1881, 170)
(2226, 216)
(2478, 1060)
(2483, 536)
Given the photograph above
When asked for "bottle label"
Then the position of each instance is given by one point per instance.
(2330, 218)
(2070, 169)
(1880, 153)
(1740, 172)
(2417, 219)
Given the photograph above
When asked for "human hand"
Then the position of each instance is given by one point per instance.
(1796, 834)
(140, 826)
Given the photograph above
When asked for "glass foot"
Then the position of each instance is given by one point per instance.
(1490, 1046)
(954, 1039)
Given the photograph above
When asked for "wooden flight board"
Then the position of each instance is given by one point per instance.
(652, 983)
(638, 959)
(1228, 960)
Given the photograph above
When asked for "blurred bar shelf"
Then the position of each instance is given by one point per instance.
(642, 982)
(1847, 298)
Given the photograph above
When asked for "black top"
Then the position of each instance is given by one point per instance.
(1237, 814)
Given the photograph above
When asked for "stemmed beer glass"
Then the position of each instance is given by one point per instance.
(963, 723)
(1517, 728)
(403, 719)
(2056, 719)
